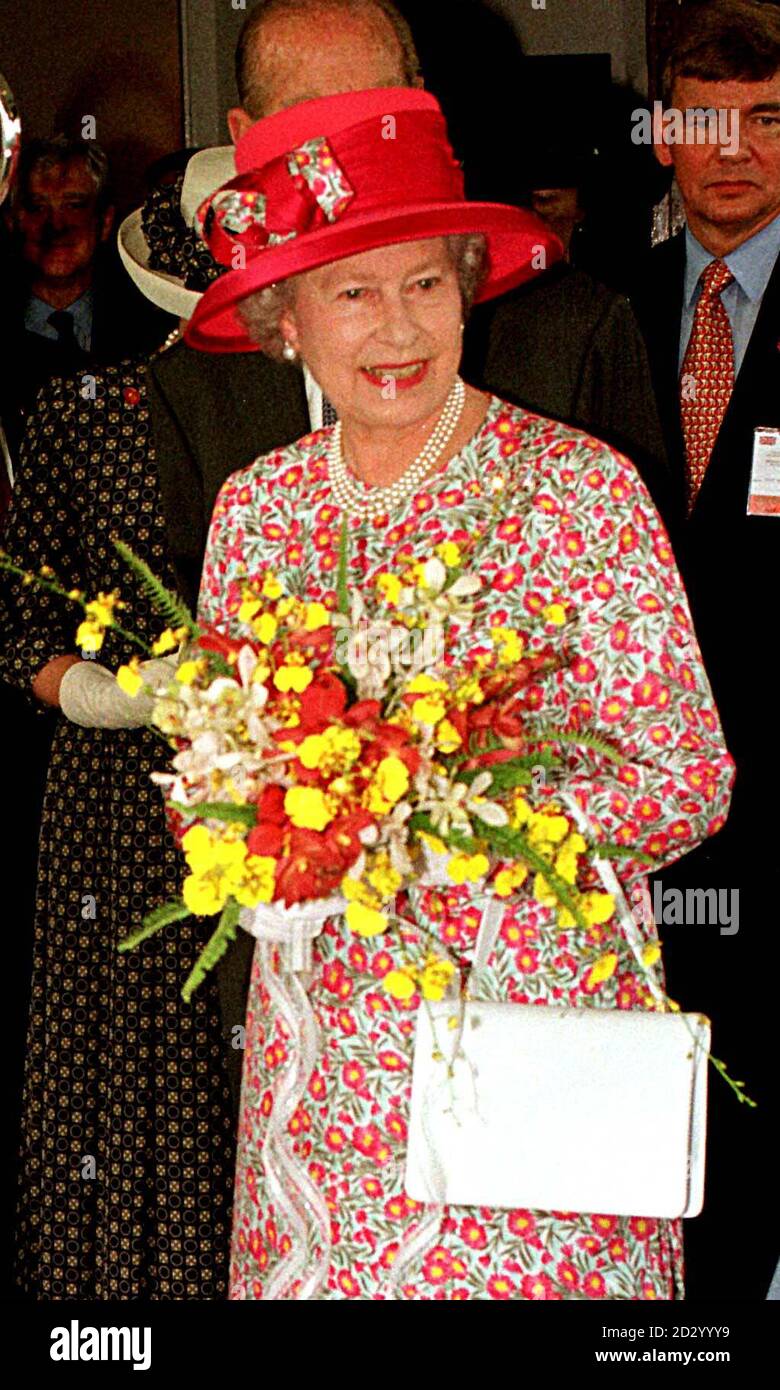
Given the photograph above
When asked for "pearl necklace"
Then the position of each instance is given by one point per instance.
(349, 495)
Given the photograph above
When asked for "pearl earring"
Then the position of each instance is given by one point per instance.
(289, 353)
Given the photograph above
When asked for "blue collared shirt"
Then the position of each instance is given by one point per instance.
(751, 264)
(36, 319)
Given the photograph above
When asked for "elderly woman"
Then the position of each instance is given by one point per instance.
(358, 257)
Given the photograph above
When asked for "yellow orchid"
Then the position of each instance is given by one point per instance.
(317, 616)
(389, 783)
(307, 808)
(271, 587)
(365, 921)
(249, 608)
(449, 552)
(293, 677)
(129, 679)
(507, 880)
(389, 586)
(467, 868)
(400, 984)
(435, 978)
(90, 636)
(257, 882)
(166, 642)
(383, 877)
(447, 738)
(265, 628)
(603, 970)
(189, 671)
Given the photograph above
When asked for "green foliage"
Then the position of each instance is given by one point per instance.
(505, 843)
(153, 922)
(579, 740)
(609, 850)
(515, 772)
(226, 811)
(214, 949)
(163, 600)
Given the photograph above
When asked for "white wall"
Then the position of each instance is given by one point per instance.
(584, 26)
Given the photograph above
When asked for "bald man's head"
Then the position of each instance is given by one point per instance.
(294, 50)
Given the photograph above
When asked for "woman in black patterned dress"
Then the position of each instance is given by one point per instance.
(127, 1144)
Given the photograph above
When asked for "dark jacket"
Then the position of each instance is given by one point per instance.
(728, 559)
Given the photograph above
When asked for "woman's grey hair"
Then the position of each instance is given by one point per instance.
(261, 313)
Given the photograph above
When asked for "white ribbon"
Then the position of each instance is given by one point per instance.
(285, 937)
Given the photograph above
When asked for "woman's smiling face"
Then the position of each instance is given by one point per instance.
(381, 332)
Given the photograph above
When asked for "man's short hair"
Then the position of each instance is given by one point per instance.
(723, 40)
(250, 92)
(57, 153)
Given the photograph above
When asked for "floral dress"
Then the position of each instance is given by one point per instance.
(566, 523)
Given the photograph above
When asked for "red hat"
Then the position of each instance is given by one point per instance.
(339, 175)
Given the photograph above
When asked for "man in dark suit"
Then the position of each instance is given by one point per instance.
(67, 304)
(709, 306)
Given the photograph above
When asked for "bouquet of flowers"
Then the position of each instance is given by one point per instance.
(325, 752)
(331, 754)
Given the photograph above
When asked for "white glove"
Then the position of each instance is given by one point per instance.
(90, 696)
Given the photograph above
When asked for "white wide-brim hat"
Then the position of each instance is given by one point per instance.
(206, 171)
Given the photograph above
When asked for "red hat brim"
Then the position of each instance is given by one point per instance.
(520, 246)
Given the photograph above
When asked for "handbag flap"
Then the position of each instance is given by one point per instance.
(549, 1108)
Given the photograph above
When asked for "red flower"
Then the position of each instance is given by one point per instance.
(521, 1223)
(498, 1286)
(507, 579)
(642, 1227)
(366, 1139)
(603, 1225)
(583, 669)
(266, 840)
(473, 1234)
(392, 1061)
(537, 1286)
(594, 1285)
(353, 1075)
(567, 1274)
(335, 1139)
(437, 1266)
(348, 1284)
(647, 691)
(210, 640)
(347, 1022)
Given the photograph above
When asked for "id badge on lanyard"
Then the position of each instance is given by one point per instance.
(764, 494)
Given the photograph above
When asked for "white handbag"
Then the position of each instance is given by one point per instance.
(559, 1109)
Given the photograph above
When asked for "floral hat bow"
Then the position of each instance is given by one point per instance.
(296, 193)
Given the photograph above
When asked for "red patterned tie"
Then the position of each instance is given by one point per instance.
(707, 377)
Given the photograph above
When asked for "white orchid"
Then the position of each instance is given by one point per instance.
(450, 805)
